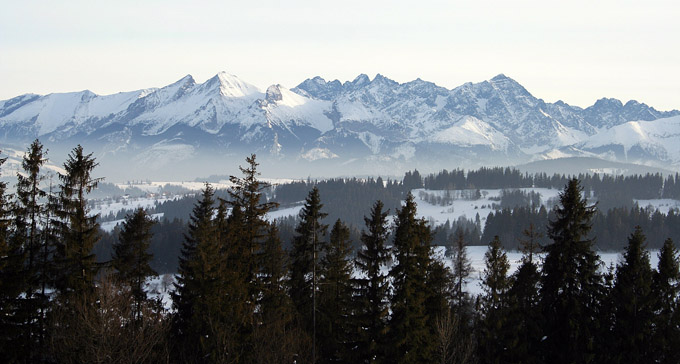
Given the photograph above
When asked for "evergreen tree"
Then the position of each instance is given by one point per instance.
(28, 211)
(308, 241)
(495, 282)
(238, 241)
(462, 269)
(372, 288)
(494, 335)
(213, 318)
(78, 231)
(235, 302)
(48, 269)
(195, 279)
(666, 288)
(523, 315)
(439, 293)
(409, 336)
(246, 195)
(273, 274)
(131, 257)
(604, 340)
(571, 281)
(12, 284)
(335, 297)
(277, 337)
(633, 303)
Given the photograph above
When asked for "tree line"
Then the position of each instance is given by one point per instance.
(610, 229)
(240, 297)
(616, 188)
(349, 198)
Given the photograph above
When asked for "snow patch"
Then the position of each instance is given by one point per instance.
(318, 153)
(470, 131)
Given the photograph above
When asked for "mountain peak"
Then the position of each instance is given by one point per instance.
(232, 86)
(176, 89)
(318, 80)
(361, 80)
(273, 93)
(608, 102)
(187, 80)
(318, 88)
(382, 79)
(501, 77)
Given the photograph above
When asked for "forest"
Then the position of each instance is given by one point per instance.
(374, 293)
(349, 199)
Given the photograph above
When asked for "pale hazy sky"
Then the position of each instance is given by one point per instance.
(577, 51)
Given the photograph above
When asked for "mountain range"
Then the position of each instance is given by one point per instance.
(365, 126)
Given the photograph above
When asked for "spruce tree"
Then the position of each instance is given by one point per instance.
(131, 257)
(495, 281)
(307, 243)
(277, 338)
(273, 273)
(12, 284)
(275, 305)
(571, 281)
(372, 288)
(29, 208)
(460, 319)
(462, 269)
(633, 303)
(439, 293)
(212, 320)
(234, 299)
(246, 194)
(29, 211)
(194, 276)
(48, 264)
(242, 239)
(78, 231)
(410, 338)
(335, 297)
(494, 335)
(523, 314)
(665, 289)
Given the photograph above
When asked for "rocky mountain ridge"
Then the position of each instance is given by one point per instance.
(356, 127)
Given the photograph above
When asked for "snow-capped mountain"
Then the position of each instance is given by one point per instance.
(361, 126)
(636, 141)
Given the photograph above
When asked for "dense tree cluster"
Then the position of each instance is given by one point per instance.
(241, 297)
(348, 199)
(58, 303)
(610, 190)
(610, 228)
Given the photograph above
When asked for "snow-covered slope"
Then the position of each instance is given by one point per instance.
(472, 131)
(638, 141)
(207, 106)
(44, 115)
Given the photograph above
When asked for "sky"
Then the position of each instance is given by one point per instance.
(575, 51)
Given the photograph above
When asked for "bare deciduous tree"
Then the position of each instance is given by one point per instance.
(100, 328)
(454, 344)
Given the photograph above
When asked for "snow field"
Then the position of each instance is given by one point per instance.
(108, 226)
(106, 207)
(461, 207)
